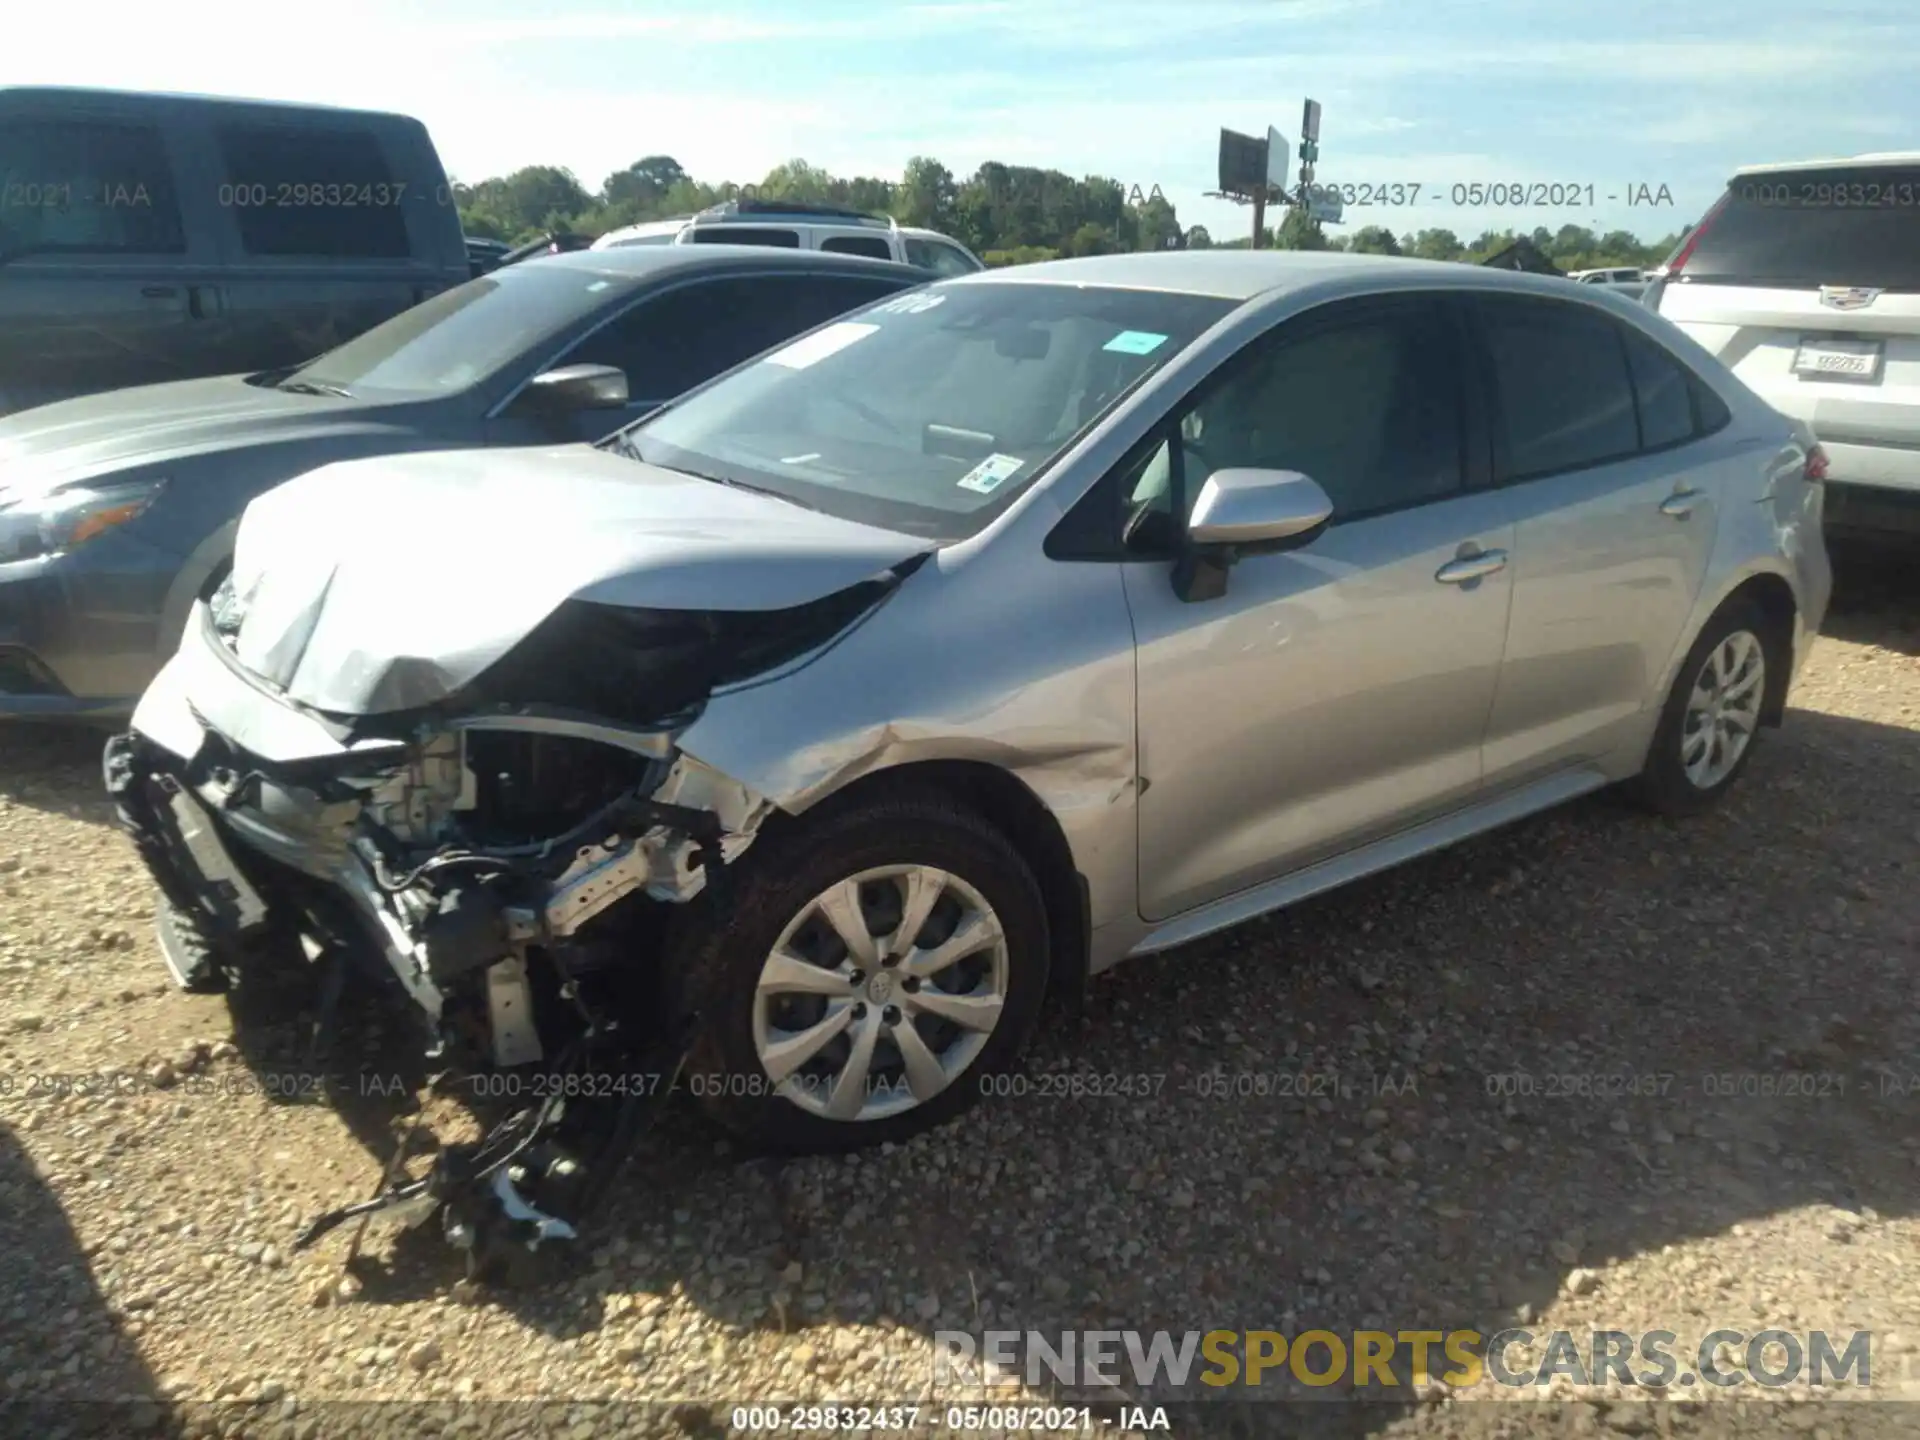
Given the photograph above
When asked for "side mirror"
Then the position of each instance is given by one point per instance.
(569, 388)
(1246, 512)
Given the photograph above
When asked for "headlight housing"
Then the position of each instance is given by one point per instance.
(35, 526)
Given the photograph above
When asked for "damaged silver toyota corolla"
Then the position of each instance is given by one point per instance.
(799, 740)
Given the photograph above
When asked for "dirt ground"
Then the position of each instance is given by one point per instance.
(1764, 960)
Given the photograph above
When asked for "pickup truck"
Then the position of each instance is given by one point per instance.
(150, 237)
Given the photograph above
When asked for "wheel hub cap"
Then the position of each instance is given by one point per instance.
(880, 993)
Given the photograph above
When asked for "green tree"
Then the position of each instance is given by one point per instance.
(1090, 239)
(1298, 231)
(1158, 226)
(796, 180)
(1015, 213)
(1435, 245)
(528, 200)
(643, 184)
(927, 194)
(1373, 240)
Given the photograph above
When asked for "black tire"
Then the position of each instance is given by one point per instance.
(716, 951)
(200, 971)
(1663, 786)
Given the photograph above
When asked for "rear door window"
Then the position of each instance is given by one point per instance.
(1852, 225)
(87, 187)
(313, 194)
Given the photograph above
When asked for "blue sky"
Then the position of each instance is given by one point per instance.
(1415, 92)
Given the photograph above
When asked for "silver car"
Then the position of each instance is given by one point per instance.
(802, 738)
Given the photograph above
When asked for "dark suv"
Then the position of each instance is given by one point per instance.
(154, 237)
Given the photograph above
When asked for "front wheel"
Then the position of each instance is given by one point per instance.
(1712, 717)
(873, 970)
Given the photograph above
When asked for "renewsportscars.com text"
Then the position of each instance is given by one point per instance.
(1270, 1361)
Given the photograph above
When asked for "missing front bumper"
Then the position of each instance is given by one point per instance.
(478, 957)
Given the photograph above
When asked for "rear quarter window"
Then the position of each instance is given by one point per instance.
(1663, 391)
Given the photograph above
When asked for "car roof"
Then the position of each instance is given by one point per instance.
(1881, 157)
(1227, 274)
(186, 100)
(647, 227)
(643, 262)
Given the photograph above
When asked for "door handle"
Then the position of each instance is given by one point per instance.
(1680, 504)
(158, 292)
(1471, 567)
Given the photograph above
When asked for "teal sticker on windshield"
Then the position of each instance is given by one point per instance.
(985, 478)
(1135, 342)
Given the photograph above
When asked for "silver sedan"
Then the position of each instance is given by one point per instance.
(848, 707)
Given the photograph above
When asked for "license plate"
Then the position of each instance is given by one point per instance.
(1838, 359)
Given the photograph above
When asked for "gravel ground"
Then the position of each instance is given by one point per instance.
(144, 1236)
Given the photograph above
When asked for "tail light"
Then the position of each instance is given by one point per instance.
(1816, 468)
(1685, 253)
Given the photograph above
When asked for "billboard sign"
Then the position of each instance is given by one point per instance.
(1279, 159)
(1243, 163)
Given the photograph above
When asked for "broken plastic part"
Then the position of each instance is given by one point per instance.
(546, 1227)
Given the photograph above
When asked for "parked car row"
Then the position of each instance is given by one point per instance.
(807, 732)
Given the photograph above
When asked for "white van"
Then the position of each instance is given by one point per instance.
(793, 225)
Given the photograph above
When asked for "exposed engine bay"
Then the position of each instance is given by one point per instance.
(507, 866)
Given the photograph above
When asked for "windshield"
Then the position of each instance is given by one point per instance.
(1828, 225)
(930, 411)
(462, 335)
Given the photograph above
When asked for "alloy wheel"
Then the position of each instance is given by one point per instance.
(1723, 709)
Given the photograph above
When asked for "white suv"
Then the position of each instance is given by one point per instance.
(796, 226)
(1805, 280)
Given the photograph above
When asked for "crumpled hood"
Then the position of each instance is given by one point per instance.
(386, 584)
(92, 436)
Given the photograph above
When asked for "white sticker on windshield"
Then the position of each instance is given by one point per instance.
(986, 477)
(911, 303)
(598, 286)
(812, 349)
